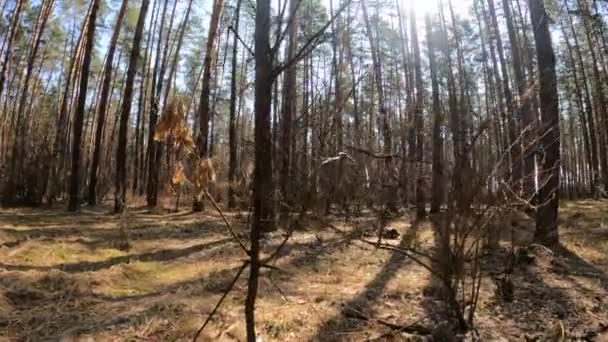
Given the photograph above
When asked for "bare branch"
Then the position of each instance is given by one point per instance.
(311, 44)
(242, 41)
(228, 225)
(290, 22)
(217, 306)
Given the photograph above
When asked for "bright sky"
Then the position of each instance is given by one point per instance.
(423, 6)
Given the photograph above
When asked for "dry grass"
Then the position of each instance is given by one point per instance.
(69, 276)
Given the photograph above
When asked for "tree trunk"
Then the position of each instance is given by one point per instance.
(289, 106)
(74, 200)
(9, 43)
(262, 184)
(155, 148)
(203, 110)
(418, 121)
(180, 40)
(438, 180)
(232, 124)
(377, 67)
(599, 91)
(18, 156)
(548, 195)
(515, 175)
(585, 111)
(103, 103)
(525, 111)
(121, 157)
(454, 120)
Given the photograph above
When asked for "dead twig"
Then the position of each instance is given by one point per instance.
(276, 286)
(394, 248)
(413, 328)
(311, 43)
(228, 225)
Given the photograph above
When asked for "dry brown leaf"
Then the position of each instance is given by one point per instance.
(179, 177)
(203, 174)
(172, 124)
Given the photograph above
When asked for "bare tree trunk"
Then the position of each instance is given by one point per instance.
(454, 119)
(147, 97)
(121, 156)
(180, 40)
(18, 156)
(586, 113)
(289, 106)
(203, 110)
(74, 200)
(515, 154)
(438, 179)
(599, 91)
(548, 195)
(103, 103)
(155, 148)
(349, 50)
(418, 121)
(232, 124)
(9, 43)
(262, 186)
(62, 124)
(525, 111)
(389, 193)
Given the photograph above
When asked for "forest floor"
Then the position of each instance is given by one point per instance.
(72, 276)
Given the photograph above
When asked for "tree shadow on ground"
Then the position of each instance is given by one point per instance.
(159, 255)
(434, 293)
(59, 305)
(313, 250)
(571, 264)
(545, 292)
(355, 311)
(542, 294)
(216, 282)
(102, 237)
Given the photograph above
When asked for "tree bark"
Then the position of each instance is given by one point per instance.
(515, 175)
(203, 110)
(9, 43)
(438, 180)
(548, 195)
(74, 194)
(289, 106)
(155, 148)
(18, 156)
(232, 124)
(599, 92)
(103, 103)
(418, 121)
(377, 67)
(121, 156)
(262, 186)
(525, 111)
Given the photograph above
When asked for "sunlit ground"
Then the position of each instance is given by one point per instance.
(157, 277)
